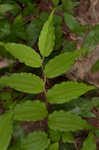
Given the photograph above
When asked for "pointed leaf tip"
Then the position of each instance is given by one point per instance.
(47, 37)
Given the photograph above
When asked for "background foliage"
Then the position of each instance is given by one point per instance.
(40, 108)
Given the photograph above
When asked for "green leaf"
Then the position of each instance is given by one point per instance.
(4, 53)
(66, 91)
(95, 102)
(30, 111)
(59, 36)
(15, 147)
(16, 9)
(33, 31)
(18, 30)
(55, 2)
(34, 27)
(57, 20)
(69, 5)
(66, 121)
(89, 143)
(69, 46)
(24, 82)
(5, 130)
(60, 64)
(5, 8)
(87, 113)
(67, 137)
(30, 9)
(23, 1)
(47, 37)
(95, 67)
(91, 40)
(24, 53)
(97, 132)
(19, 21)
(54, 146)
(5, 95)
(67, 146)
(44, 17)
(37, 141)
(18, 132)
(4, 29)
(73, 24)
(54, 135)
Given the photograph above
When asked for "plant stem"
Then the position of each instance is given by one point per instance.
(44, 77)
